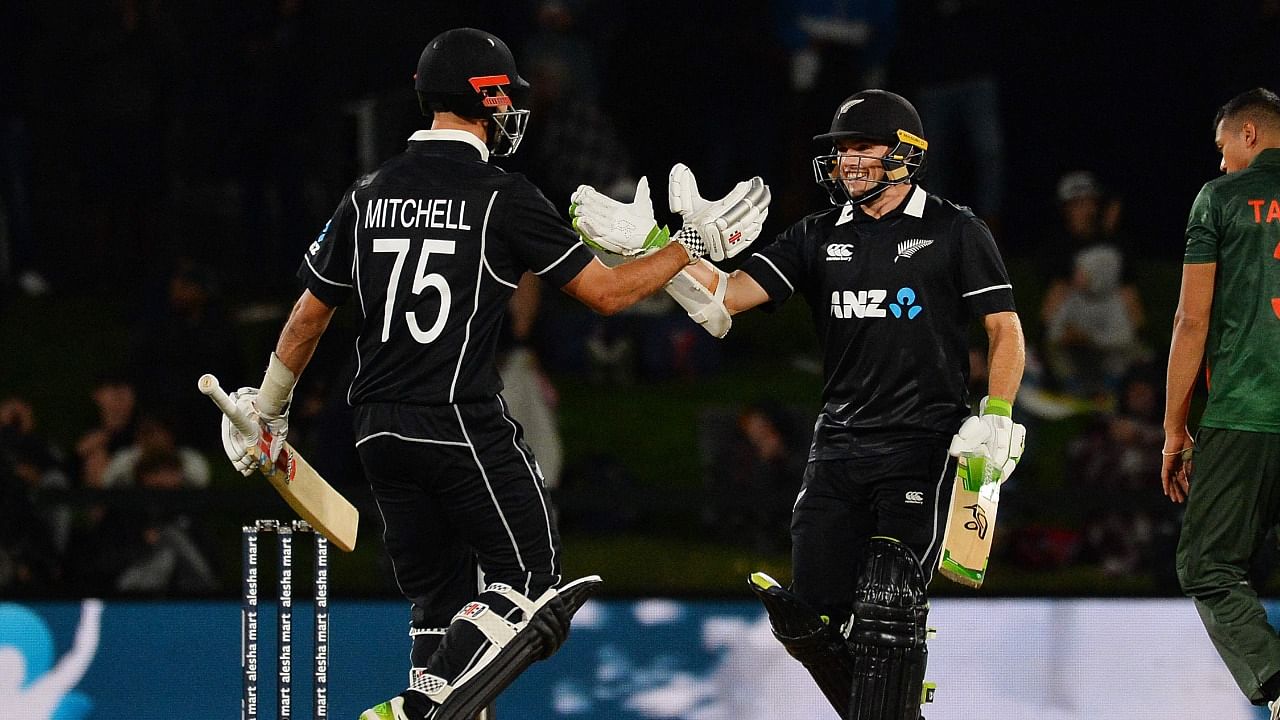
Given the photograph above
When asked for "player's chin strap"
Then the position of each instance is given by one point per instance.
(887, 634)
(704, 306)
(809, 638)
(509, 647)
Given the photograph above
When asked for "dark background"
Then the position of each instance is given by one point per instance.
(138, 134)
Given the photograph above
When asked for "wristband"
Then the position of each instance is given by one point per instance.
(998, 406)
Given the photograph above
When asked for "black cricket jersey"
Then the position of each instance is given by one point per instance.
(892, 300)
(432, 245)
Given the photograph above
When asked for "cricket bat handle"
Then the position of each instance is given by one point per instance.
(209, 386)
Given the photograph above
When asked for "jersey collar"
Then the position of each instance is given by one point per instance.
(912, 205)
(455, 136)
(1269, 156)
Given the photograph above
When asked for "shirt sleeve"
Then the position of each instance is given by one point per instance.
(780, 267)
(540, 239)
(984, 281)
(326, 266)
(1202, 229)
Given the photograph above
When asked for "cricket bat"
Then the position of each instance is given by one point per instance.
(971, 522)
(293, 477)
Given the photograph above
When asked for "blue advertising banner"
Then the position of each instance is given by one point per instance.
(626, 660)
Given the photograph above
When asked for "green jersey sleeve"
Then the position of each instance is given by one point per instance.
(1203, 229)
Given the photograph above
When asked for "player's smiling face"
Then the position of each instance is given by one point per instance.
(860, 167)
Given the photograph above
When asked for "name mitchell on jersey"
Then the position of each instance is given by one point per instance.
(415, 213)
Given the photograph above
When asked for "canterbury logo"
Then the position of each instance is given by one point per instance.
(840, 251)
(915, 497)
(907, 248)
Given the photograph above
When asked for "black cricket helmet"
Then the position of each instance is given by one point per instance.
(879, 116)
(472, 73)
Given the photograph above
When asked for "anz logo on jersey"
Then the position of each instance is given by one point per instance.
(850, 304)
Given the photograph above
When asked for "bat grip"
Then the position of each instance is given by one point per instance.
(209, 386)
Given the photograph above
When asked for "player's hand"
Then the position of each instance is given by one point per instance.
(1175, 472)
(724, 227)
(992, 439)
(249, 453)
(620, 228)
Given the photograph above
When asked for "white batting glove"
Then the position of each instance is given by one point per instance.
(626, 229)
(249, 453)
(991, 437)
(724, 227)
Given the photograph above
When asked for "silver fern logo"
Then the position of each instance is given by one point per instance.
(907, 248)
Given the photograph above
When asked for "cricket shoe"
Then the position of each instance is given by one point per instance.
(406, 706)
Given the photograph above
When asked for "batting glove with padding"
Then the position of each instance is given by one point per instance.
(626, 229)
(249, 453)
(718, 229)
(991, 437)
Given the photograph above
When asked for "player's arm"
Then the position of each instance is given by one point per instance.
(608, 290)
(1006, 355)
(718, 229)
(302, 331)
(992, 436)
(742, 292)
(1186, 353)
(269, 403)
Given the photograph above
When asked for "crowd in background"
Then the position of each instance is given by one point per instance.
(168, 157)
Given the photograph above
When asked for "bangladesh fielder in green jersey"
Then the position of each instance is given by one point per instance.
(1228, 319)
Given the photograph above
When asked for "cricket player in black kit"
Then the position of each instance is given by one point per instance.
(431, 246)
(893, 277)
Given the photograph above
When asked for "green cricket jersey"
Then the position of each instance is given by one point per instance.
(1235, 222)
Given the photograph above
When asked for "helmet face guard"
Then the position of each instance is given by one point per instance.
(507, 123)
(472, 73)
(835, 171)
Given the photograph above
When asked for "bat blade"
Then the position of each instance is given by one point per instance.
(315, 500)
(971, 519)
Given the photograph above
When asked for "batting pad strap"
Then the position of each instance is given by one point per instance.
(526, 605)
(704, 307)
(497, 630)
(433, 686)
(415, 632)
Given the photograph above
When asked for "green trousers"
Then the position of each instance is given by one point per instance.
(1234, 502)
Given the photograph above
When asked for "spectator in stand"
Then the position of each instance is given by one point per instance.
(185, 336)
(1112, 463)
(116, 401)
(155, 439)
(754, 479)
(1087, 217)
(144, 539)
(1092, 331)
(38, 463)
(33, 535)
(950, 51)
